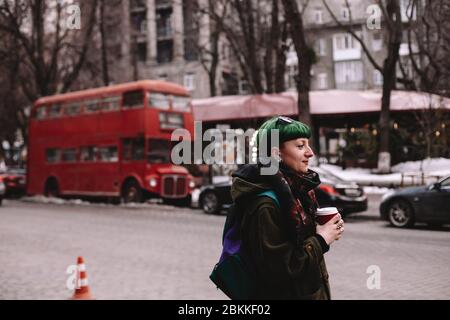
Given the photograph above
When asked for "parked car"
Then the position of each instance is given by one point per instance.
(348, 197)
(15, 182)
(430, 204)
(2, 190)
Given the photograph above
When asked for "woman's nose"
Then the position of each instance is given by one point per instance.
(309, 152)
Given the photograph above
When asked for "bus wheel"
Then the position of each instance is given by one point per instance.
(51, 188)
(132, 192)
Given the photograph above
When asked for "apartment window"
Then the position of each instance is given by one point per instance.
(139, 22)
(164, 23)
(244, 87)
(142, 51)
(377, 41)
(408, 10)
(322, 47)
(165, 51)
(162, 77)
(322, 81)
(345, 42)
(377, 78)
(345, 14)
(348, 71)
(189, 81)
(318, 16)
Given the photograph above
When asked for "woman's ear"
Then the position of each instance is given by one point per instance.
(276, 153)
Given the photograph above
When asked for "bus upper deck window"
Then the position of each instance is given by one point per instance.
(54, 111)
(72, 109)
(110, 104)
(133, 99)
(92, 106)
(159, 101)
(181, 103)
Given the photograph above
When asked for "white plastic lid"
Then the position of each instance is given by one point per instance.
(326, 211)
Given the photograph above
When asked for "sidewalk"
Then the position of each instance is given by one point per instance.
(404, 174)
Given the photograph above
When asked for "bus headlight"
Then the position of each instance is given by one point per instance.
(192, 184)
(153, 182)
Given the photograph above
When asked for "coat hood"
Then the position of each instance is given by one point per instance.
(247, 181)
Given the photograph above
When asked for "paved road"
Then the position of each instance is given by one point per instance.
(159, 252)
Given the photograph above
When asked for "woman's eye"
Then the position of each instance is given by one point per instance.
(300, 146)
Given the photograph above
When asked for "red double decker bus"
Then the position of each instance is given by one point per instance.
(110, 142)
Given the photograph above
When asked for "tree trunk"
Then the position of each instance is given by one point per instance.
(305, 57)
(105, 71)
(389, 80)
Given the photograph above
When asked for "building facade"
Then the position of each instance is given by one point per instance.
(164, 38)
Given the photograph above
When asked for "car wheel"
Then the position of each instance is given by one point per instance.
(400, 214)
(210, 203)
(132, 192)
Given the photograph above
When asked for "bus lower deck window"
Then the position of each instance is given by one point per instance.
(108, 154)
(53, 155)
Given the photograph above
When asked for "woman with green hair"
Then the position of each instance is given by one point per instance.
(278, 229)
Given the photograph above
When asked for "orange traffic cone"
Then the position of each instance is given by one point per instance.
(82, 291)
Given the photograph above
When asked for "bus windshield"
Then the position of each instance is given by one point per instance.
(159, 151)
(163, 101)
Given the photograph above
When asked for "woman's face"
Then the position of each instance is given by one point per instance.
(296, 153)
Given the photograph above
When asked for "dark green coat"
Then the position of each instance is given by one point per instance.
(284, 270)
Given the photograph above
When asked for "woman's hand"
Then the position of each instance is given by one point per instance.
(332, 230)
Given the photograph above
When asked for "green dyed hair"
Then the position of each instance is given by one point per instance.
(289, 129)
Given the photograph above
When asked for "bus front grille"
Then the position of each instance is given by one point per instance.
(174, 187)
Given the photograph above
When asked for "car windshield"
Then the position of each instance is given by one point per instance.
(446, 183)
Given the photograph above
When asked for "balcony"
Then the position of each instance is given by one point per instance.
(163, 4)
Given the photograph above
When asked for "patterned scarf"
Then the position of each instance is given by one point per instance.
(296, 192)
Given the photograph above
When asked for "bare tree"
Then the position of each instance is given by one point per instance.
(432, 121)
(306, 58)
(214, 13)
(51, 47)
(257, 33)
(428, 45)
(394, 26)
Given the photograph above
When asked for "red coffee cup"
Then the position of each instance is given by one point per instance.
(323, 215)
